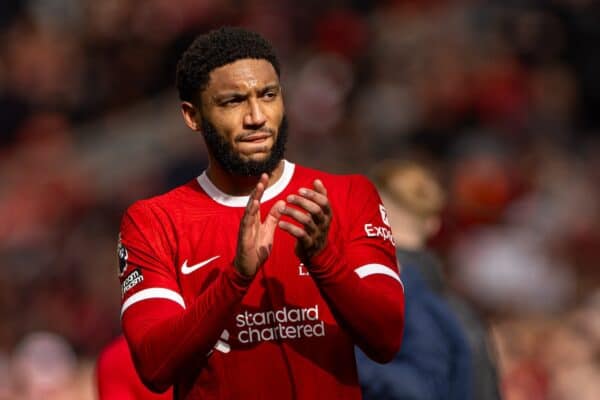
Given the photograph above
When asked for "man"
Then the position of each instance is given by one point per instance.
(256, 279)
(437, 360)
(116, 378)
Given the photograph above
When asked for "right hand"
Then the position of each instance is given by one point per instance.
(255, 239)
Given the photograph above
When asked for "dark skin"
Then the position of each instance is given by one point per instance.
(243, 100)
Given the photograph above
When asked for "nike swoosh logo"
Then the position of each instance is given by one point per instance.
(185, 269)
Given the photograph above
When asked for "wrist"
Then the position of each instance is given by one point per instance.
(244, 271)
(323, 259)
(237, 277)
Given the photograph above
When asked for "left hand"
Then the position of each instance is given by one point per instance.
(314, 216)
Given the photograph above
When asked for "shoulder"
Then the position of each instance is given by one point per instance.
(168, 202)
(343, 183)
(344, 191)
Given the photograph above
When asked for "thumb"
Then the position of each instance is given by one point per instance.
(272, 219)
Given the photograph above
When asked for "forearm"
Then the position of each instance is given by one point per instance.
(163, 337)
(371, 307)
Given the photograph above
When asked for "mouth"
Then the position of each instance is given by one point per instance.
(255, 137)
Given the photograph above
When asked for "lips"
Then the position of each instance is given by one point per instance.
(255, 138)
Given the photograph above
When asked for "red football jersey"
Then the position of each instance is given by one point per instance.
(193, 321)
(116, 377)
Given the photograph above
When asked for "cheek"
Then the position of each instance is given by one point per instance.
(276, 112)
(228, 125)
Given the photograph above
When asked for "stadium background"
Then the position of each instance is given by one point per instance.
(502, 96)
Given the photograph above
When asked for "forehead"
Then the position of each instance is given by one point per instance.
(242, 74)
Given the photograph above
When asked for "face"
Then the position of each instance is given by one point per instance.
(234, 163)
(242, 117)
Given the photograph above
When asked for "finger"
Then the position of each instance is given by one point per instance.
(272, 219)
(252, 212)
(319, 198)
(253, 205)
(297, 232)
(260, 188)
(301, 217)
(309, 205)
(249, 218)
(320, 187)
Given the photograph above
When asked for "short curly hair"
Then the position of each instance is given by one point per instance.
(215, 49)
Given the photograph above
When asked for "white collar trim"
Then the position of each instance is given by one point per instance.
(241, 201)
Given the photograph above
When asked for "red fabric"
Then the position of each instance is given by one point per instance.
(116, 376)
(287, 333)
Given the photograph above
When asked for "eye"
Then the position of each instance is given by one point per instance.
(270, 94)
(232, 101)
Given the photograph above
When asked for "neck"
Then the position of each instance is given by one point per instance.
(238, 185)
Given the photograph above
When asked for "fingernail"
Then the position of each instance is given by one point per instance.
(303, 192)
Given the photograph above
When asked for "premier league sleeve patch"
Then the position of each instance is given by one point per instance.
(122, 255)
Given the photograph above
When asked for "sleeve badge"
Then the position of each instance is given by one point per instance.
(122, 255)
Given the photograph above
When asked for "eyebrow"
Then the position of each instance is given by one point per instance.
(270, 86)
(238, 93)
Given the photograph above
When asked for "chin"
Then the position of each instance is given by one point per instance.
(256, 157)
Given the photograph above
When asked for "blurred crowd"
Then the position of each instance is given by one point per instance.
(500, 96)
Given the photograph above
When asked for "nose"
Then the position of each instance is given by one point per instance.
(255, 115)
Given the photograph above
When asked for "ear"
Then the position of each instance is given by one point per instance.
(191, 116)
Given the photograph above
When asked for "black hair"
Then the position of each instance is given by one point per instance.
(215, 49)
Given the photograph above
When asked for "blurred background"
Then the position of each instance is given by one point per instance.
(502, 97)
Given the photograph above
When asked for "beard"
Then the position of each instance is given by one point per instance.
(230, 161)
